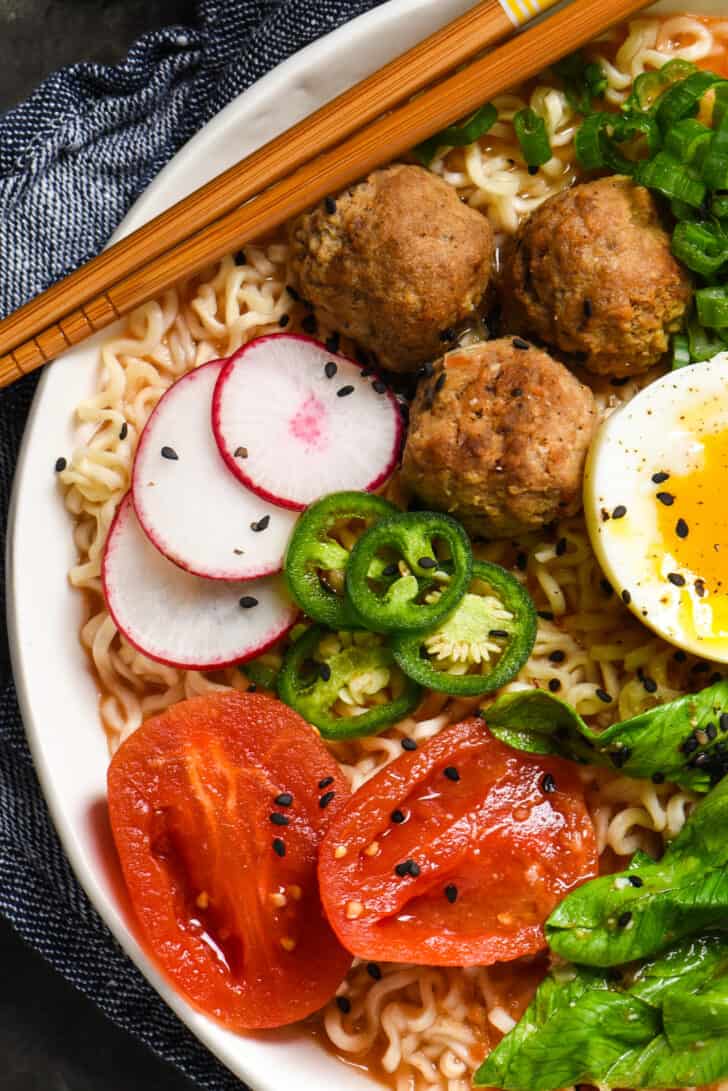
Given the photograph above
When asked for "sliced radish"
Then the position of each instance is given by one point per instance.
(310, 421)
(192, 509)
(180, 619)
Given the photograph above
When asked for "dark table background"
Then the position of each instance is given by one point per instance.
(52, 1038)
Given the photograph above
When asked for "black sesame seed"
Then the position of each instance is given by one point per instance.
(587, 308)
(403, 869)
(681, 528)
(414, 869)
(325, 783)
(499, 634)
(711, 731)
(626, 597)
(374, 971)
(649, 684)
(451, 773)
(324, 672)
(700, 760)
(279, 846)
(240, 258)
(666, 498)
(519, 343)
(557, 656)
(309, 324)
(451, 893)
(343, 1003)
(285, 799)
(409, 744)
(676, 579)
(325, 799)
(554, 685)
(533, 169)
(293, 293)
(330, 205)
(248, 602)
(170, 453)
(522, 562)
(344, 391)
(619, 512)
(700, 588)
(561, 547)
(548, 784)
(635, 881)
(262, 524)
(658, 778)
(427, 562)
(60, 465)
(606, 586)
(279, 819)
(330, 369)
(448, 334)
(723, 721)
(658, 478)
(124, 431)
(604, 696)
(700, 668)
(397, 816)
(690, 745)
(624, 918)
(284, 320)
(621, 757)
(252, 687)
(516, 392)
(426, 371)
(545, 615)
(440, 382)
(680, 656)
(379, 387)
(390, 570)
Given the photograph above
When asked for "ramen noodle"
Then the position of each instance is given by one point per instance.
(418, 1027)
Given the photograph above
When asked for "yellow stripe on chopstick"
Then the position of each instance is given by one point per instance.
(520, 11)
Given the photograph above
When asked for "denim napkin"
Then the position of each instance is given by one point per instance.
(73, 158)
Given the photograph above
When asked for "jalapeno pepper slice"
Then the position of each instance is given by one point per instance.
(316, 559)
(481, 645)
(397, 581)
(345, 683)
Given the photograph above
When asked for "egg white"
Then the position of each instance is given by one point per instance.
(659, 431)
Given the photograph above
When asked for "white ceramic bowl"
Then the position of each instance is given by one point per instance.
(58, 697)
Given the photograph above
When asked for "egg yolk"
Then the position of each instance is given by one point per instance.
(694, 528)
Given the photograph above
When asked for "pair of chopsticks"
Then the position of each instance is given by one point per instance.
(363, 128)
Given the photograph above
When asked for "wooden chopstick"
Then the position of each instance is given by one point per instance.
(479, 28)
(379, 142)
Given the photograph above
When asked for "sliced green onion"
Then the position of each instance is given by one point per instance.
(672, 179)
(583, 81)
(703, 343)
(683, 98)
(681, 211)
(530, 130)
(458, 136)
(714, 169)
(588, 142)
(712, 307)
(702, 247)
(649, 86)
(680, 352)
(719, 206)
(598, 140)
(687, 138)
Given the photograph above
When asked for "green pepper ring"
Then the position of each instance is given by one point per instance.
(303, 699)
(406, 646)
(306, 547)
(411, 533)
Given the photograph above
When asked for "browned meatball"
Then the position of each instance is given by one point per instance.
(397, 260)
(498, 438)
(590, 273)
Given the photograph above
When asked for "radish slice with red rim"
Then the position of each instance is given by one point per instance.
(188, 503)
(183, 620)
(310, 421)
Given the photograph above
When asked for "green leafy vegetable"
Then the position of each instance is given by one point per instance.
(617, 918)
(458, 136)
(583, 81)
(661, 1026)
(684, 741)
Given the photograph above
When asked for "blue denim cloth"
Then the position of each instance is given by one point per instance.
(73, 158)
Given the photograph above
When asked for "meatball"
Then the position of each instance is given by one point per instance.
(498, 438)
(590, 273)
(394, 263)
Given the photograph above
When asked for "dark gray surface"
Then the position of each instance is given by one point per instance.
(51, 1037)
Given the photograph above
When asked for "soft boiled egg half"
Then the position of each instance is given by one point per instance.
(656, 505)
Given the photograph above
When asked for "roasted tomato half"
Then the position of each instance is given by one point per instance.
(218, 807)
(456, 853)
